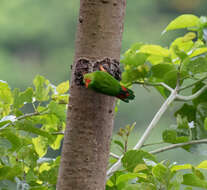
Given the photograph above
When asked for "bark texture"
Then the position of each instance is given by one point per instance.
(90, 115)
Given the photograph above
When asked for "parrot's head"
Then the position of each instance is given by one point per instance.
(87, 79)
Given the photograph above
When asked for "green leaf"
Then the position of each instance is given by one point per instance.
(172, 136)
(22, 97)
(44, 167)
(119, 143)
(170, 78)
(134, 157)
(6, 99)
(181, 167)
(202, 165)
(188, 111)
(132, 73)
(31, 176)
(200, 118)
(57, 109)
(183, 21)
(140, 168)
(49, 175)
(133, 57)
(159, 69)
(40, 145)
(205, 124)
(42, 88)
(180, 48)
(29, 154)
(193, 180)
(8, 185)
(154, 50)
(201, 98)
(7, 172)
(160, 172)
(114, 177)
(13, 138)
(39, 188)
(61, 99)
(29, 127)
(198, 173)
(63, 87)
(196, 65)
(134, 187)
(126, 177)
(199, 51)
(56, 144)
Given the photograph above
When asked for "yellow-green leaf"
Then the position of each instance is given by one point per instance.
(189, 36)
(110, 183)
(154, 50)
(56, 144)
(42, 88)
(44, 167)
(40, 145)
(140, 167)
(199, 51)
(181, 167)
(183, 21)
(202, 165)
(63, 87)
(128, 176)
(6, 98)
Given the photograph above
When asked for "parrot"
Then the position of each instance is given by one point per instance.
(103, 82)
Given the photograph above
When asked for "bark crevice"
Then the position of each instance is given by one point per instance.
(85, 65)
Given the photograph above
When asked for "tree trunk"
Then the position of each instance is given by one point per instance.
(90, 118)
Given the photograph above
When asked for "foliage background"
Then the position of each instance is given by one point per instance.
(37, 37)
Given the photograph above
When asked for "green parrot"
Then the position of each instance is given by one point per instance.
(103, 82)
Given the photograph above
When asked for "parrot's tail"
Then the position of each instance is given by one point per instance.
(125, 94)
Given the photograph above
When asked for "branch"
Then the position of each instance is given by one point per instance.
(178, 146)
(22, 117)
(190, 85)
(155, 84)
(153, 123)
(156, 118)
(153, 144)
(191, 97)
(114, 155)
(58, 133)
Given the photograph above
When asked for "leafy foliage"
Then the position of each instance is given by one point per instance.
(181, 66)
(25, 138)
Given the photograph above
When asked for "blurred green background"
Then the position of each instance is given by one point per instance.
(37, 37)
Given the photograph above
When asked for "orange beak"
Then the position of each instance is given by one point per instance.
(87, 81)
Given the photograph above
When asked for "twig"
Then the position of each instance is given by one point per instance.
(191, 97)
(152, 144)
(22, 117)
(178, 146)
(156, 118)
(58, 133)
(114, 155)
(190, 85)
(155, 84)
(153, 123)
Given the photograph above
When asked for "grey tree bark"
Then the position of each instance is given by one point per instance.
(90, 116)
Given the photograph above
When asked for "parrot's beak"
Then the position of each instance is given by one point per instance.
(87, 81)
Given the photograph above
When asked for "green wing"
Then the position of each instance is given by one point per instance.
(105, 83)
